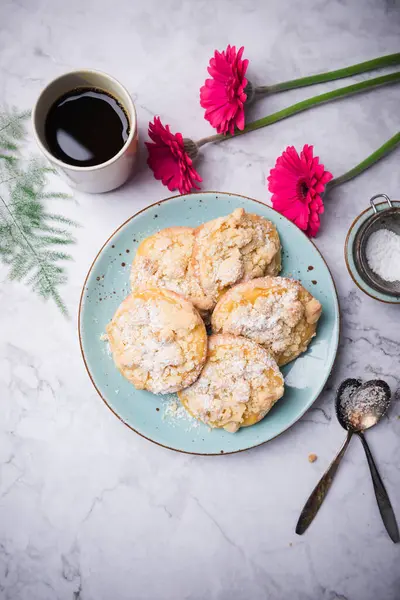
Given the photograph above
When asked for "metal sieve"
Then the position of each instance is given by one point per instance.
(382, 219)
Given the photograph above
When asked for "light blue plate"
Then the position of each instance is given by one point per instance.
(153, 416)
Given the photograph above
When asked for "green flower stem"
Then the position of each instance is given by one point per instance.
(385, 149)
(390, 60)
(294, 109)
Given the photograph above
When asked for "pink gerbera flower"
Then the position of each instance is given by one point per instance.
(224, 96)
(169, 158)
(297, 183)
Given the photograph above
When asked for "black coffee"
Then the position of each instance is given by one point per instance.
(86, 127)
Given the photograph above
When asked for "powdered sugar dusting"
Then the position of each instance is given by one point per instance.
(362, 407)
(383, 254)
(176, 415)
(347, 394)
(106, 346)
(270, 320)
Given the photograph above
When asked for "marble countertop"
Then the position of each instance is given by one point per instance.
(88, 509)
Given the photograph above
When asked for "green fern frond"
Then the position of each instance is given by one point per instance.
(58, 231)
(53, 255)
(29, 236)
(55, 196)
(12, 129)
(13, 122)
(20, 268)
(47, 240)
(61, 219)
(9, 159)
(6, 145)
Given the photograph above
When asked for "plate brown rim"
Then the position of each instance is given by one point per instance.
(346, 247)
(221, 453)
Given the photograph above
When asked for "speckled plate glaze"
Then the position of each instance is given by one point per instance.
(349, 255)
(107, 283)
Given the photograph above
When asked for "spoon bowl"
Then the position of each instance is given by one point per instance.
(346, 389)
(361, 406)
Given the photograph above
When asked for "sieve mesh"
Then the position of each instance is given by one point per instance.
(384, 219)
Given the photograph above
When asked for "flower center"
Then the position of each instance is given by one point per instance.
(303, 189)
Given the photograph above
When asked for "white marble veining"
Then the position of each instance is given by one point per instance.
(88, 509)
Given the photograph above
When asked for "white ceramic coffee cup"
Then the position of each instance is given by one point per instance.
(99, 178)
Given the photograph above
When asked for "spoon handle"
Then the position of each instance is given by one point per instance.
(382, 498)
(318, 494)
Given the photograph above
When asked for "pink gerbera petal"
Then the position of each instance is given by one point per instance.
(297, 183)
(223, 96)
(169, 160)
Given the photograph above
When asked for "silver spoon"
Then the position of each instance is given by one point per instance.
(347, 388)
(358, 407)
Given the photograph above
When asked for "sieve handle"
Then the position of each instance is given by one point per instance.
(388, 200)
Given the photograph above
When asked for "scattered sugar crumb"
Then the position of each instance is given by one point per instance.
(312, 458)
(104, 337)
(172, 408)
(176, 415)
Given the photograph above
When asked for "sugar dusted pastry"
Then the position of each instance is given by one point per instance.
(164, 260)
(158, 340)
(235, 248)
(239, 384)
(276, 312)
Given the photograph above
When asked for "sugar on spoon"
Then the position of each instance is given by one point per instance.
(358, 407)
